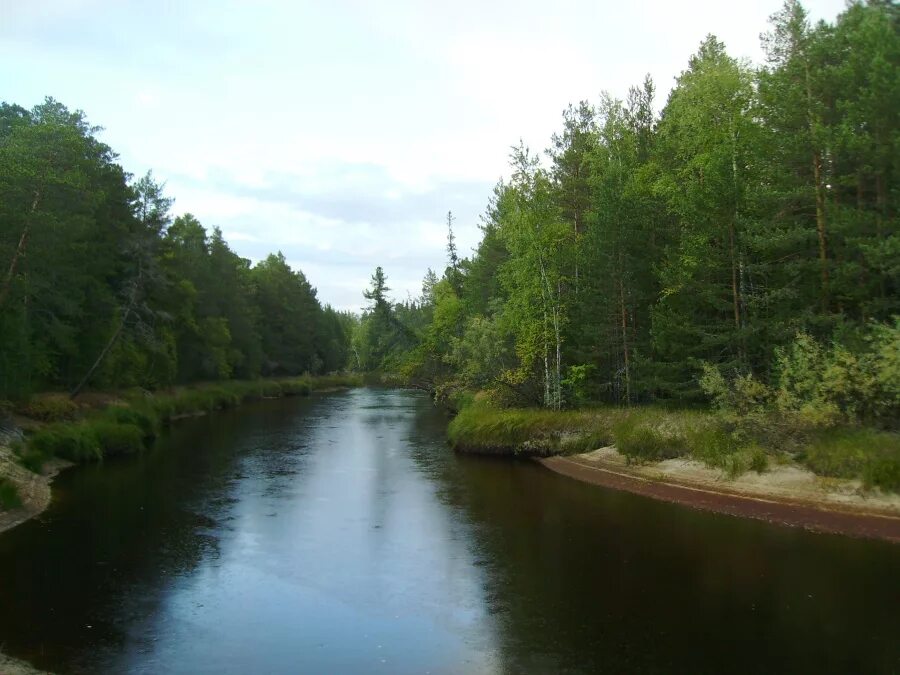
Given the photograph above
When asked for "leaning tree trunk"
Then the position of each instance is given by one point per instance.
(132, 301)
(624, 325)
(109, 345)
(20, 250)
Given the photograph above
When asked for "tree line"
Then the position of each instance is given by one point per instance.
(755, 214)
(102, 287)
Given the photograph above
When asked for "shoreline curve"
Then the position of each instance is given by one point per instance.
(798, 513)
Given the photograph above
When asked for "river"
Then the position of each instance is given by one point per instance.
(338, 534)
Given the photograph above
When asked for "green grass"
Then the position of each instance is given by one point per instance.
(142, 418)
(873, 456)
(531, 431)
(651, 435)
(72, 441)
(131, 426)
(9, 494)
(647, 434)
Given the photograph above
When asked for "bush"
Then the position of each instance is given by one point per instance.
(883, 471)
(870, 455)
(854, 380)
(759, 460)
(9, 494)
(710, 443)
(649, 436)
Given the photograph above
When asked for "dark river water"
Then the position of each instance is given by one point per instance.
(338, 534)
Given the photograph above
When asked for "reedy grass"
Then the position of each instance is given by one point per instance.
(653, 434)
(131, 425)
(873, 456)
(530, 431)
(647, 434)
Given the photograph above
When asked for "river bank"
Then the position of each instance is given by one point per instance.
(52, 433)
(10, 666)
(689, 457)
(786, 495)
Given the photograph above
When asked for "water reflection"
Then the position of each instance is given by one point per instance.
(338, 534)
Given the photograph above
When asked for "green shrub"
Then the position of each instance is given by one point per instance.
(712, 444)
(883, 471)
(579, 384)
(873, 456)
(9, 494)
(649, 436)
(759, 460)
(853, 379)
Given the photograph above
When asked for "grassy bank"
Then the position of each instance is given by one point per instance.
(9, 494)
(651, 434)
(103, 425)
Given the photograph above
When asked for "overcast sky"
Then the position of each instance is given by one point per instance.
(341, 133)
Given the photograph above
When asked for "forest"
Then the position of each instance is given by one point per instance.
(101, 287)
(738, 249)
(750, 224)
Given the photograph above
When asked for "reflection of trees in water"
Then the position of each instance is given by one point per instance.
(90, 574)
(588, 580)
(571, 577)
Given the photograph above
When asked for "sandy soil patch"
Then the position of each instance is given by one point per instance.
(10, 666)
(34, 489)
(786, 494)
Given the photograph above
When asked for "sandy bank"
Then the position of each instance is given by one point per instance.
(10, 666)
(34, 491)
(788, 495)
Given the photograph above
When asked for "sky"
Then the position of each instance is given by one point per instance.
(341, 133)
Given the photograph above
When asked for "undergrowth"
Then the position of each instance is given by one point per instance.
(132, 424)
(873, 456)
(9, 494)
(649, 434)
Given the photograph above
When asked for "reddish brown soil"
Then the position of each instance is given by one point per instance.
(781, 512)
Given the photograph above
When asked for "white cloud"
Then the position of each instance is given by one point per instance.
(342, 133)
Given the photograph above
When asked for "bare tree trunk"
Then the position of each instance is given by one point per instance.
(820, 227)
(558, 337)
(546, 368)
(576, 217)
(735, 296)
(820, 195)
(132, 301)
(109, 345)
(624, 321)
(880, 214)
(20, 250)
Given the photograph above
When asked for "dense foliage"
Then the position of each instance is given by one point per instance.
(101, 287)
(750, 225)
